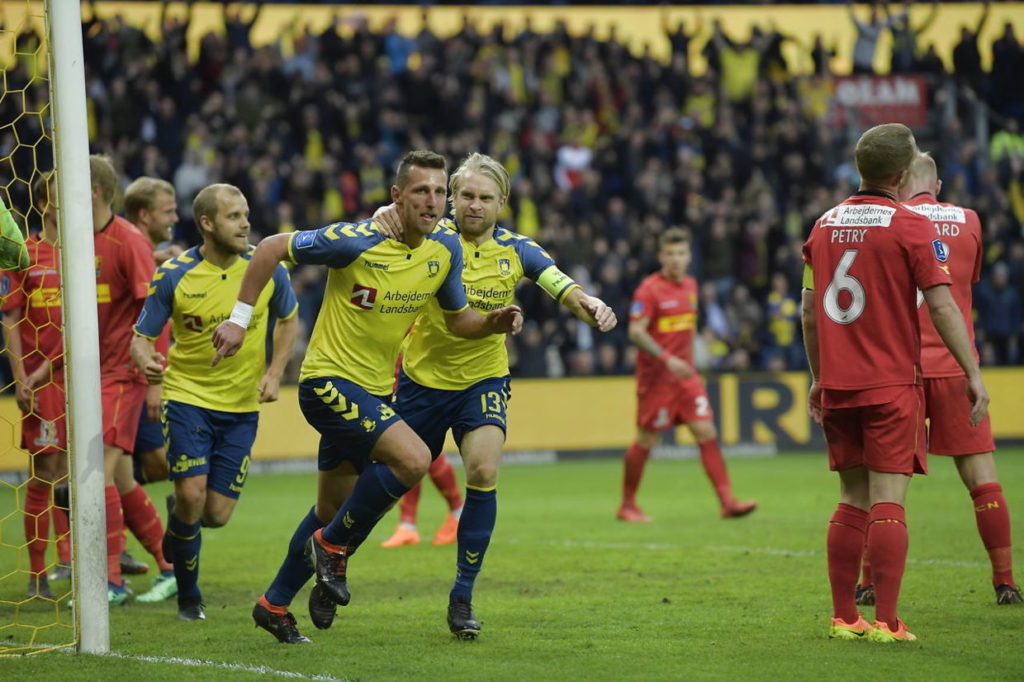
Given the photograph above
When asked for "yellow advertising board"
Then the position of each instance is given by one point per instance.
(598, 414)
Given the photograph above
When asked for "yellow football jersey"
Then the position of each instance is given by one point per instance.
(436, 358)
(376, 287)
(197, 296)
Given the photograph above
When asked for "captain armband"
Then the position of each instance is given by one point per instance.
(556, 283)
(241, 314)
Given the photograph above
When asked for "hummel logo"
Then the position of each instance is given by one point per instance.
(192, 564)
(348, 520)
(472, 557)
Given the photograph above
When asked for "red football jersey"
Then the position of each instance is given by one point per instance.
(37, 290)
(869, 256)
(671, 311)
(959, 231)
(124, 268)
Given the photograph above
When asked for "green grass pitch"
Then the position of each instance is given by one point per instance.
(567, 592)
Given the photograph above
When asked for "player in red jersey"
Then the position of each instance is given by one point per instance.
(35, 349)
(663, 323)
(959, 232)
(865, 260)
(124, 268)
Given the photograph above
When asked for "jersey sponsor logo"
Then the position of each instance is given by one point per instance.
(676, 323)
(363, 297)
(200, 294)
(858, 215)
(941, 250)
(193, 323)
(377, 266)
(667, 304)
(184, 463)
(304, 239)
(47, 297)
(504, 267)
(938, 213)
(433, 268)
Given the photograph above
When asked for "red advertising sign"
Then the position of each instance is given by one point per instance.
(865, 101)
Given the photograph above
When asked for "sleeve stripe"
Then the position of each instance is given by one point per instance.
(455, 311)
(145, 336)
(565, 291)
(292, 314)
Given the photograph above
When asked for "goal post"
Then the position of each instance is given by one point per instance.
(81, 332)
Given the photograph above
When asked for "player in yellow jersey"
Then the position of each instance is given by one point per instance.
(210, 413)
(463, 385)
(369, 457)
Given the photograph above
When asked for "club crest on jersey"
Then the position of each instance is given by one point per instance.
(363, 297)
(504, 266)
(941, 250)
(433, 267)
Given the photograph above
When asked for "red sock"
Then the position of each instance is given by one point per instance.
(635, 460)
(442, 473)
(279, 610)
(887, 549)
(866, 576)
(409, 504)
(714, 467)
(37, 525)
(144, 522)
(62, 529)
(115, 535)
(993, 517)
(845, 542)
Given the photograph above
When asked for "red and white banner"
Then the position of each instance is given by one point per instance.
(869, 100)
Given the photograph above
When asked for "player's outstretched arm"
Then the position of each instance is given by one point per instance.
(285, 332)
(639, 337)
(469, 324)
(148, 359)
(949, 323)
(230, 333)
(810, 327)
(590, 309)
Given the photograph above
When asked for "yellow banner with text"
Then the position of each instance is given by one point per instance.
(598, 414)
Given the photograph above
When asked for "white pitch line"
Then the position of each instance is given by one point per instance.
(773, 551)
(198, 663)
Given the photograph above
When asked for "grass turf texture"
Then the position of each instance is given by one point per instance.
(569, 593)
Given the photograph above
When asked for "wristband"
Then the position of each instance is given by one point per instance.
(241, 314)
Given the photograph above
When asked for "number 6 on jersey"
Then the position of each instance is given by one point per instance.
(843, 281)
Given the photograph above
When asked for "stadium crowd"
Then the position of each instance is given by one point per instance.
(606, 149)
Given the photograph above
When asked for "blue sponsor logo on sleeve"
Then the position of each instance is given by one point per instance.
(941, 250)
(5, 285)
(304, 239)
(637, 308)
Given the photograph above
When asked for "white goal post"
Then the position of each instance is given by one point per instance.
(81, 335)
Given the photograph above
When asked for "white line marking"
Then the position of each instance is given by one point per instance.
(197, 663)
(772, 551)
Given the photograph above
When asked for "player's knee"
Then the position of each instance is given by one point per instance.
(155, 469)
(416, 461)
(215, 519)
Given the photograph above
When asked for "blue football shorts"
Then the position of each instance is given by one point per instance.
(347, 417)
(211, 443)
(430, 412)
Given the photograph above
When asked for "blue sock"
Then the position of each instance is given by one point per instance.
(295, 570)
(185, 540)
(475, 528)
(374, 493)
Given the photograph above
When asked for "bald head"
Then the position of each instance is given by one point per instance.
(922, 177)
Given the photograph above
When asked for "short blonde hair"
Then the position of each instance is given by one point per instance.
(207, 202)
(485, 165)
(885, 151)
(923, 170)
(103, 175)
(141, 194)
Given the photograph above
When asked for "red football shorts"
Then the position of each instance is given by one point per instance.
(45, 429)
(122, 403)
(948, 409)
(672, 402)
(889, 438)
